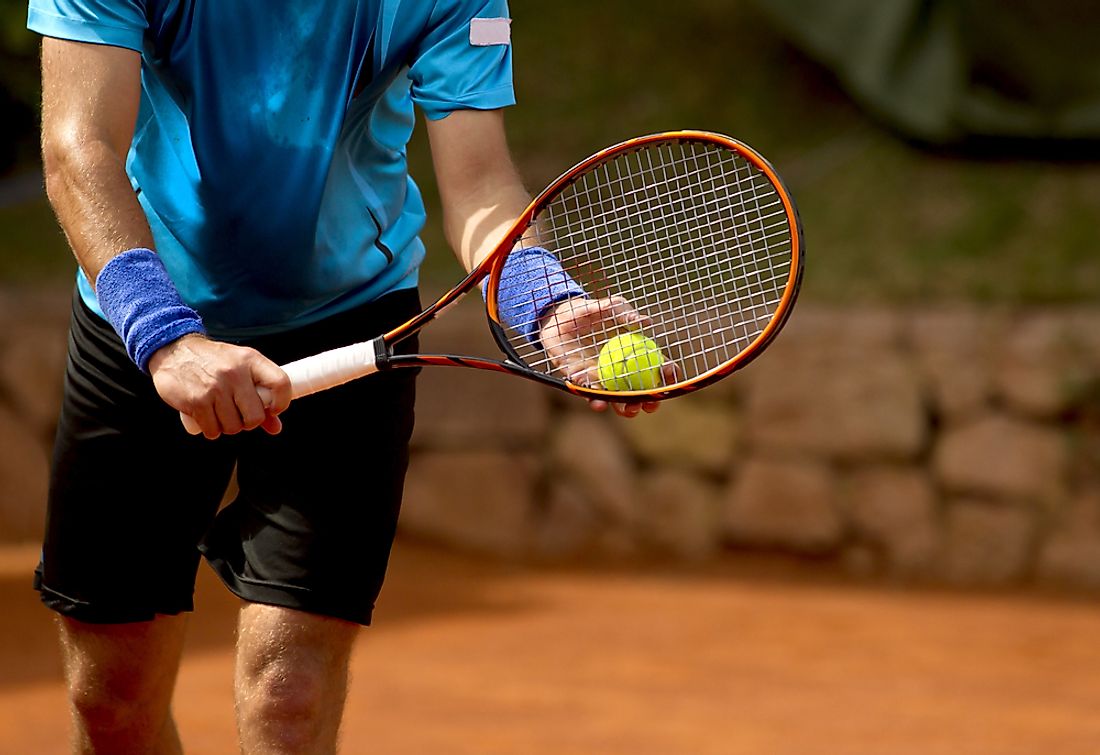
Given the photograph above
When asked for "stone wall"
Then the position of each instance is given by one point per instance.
(956, 445)
(33, 328)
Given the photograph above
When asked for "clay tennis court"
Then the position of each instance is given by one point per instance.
(477, 657)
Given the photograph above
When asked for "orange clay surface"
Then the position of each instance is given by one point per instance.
(478, 657)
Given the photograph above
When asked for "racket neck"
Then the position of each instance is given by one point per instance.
(383, 352)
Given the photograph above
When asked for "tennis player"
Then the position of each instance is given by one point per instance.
(232, 179)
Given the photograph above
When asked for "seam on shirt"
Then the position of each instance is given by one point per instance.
(466, 97)
(85, 22)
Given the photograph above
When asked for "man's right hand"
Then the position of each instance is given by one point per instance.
(216, 384)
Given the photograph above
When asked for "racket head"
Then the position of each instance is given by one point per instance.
(695, 231)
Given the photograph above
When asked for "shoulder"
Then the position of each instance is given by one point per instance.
(463, 11)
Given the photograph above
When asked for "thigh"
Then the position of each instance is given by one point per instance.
(130, 663)
(307, 645)
(121, 678)
(312, 526)
(130, 494)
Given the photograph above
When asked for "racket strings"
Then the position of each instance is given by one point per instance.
(672, 240)
(692, 235)
(646, 240)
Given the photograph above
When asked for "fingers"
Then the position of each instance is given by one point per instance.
(250, 408)
(222, 389)
(269, 375)
(204, 420)
(584, 374)
(227, 410)
(229, 417)
(240, 407)
(670, 373)
(272, 425)
(627, 410)
(593, 316)
(622, 409)
(625, 315)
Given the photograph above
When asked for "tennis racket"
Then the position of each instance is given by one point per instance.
(687, 238)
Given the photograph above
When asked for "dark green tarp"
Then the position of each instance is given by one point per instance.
(951, 71)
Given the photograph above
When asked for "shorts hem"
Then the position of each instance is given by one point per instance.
(281, 595)
(83, 611)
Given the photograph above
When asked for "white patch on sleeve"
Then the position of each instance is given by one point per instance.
(487, 32)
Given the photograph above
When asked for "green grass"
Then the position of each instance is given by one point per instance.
(884, 221)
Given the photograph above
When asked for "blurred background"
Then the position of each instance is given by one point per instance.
(921, 447)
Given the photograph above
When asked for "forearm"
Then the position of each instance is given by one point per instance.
(111, 240)
(91, 194)
(476, 222)
(90, 100)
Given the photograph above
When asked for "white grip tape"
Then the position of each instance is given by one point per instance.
(331, 368)
(317, 373)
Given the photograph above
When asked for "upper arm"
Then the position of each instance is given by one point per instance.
(480, 189)
(470, 155)
(90, 93)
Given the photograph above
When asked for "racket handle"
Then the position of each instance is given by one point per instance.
(317, 373)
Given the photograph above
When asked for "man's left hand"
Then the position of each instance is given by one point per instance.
(572, 333)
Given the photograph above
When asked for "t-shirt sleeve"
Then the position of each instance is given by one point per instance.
(120, 23)
(459, 67)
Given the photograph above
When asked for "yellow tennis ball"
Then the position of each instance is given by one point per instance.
(630, 362)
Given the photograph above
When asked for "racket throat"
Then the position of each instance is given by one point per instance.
(383, 353)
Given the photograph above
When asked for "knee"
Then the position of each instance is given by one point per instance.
(112, 702)
(284, 703)
(290, 691)
(120, 680)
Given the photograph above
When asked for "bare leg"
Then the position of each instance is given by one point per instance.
(291, 679)
(120, 679)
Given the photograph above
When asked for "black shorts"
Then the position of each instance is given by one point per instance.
(134, 498)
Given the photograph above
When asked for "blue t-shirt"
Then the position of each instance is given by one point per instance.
(269, 152)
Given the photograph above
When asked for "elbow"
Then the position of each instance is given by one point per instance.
(68, 153)
(59, 154)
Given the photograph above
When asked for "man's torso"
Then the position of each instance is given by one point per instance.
(269, 151)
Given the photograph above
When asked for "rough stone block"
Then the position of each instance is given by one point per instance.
(567, 525)
(586, 449)
(32, 367)
(1044, 363)
(895, 508)
(784, 503)
(678, 515)
(1070, 556)
(987, 544)
(686, 433)
(463, 408)
(953, 348)
(23, 481)
(1002, 457)
(476, 500)
(845, 409)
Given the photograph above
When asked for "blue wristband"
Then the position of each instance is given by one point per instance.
(142, 304)
(532, 281)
